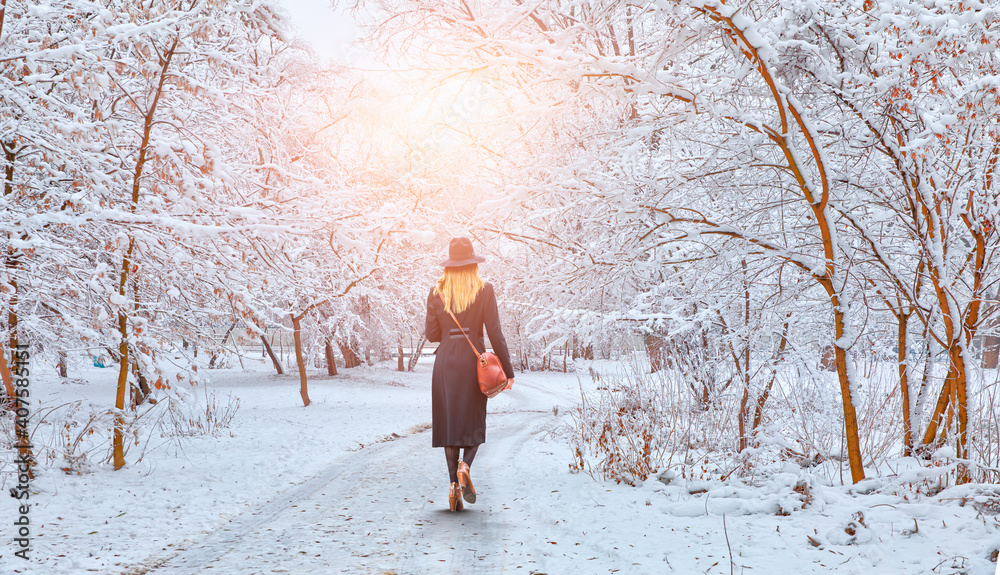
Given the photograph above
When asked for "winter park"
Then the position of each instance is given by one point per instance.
(554, 287)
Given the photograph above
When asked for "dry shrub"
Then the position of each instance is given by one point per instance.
(880, 416)
(635, 423)
(626, 428)
(192, 419)
(810, 415)
(985, 433)
(72, 436)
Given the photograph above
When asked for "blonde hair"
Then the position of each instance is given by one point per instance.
(460, 286)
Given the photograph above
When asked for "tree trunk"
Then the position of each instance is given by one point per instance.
(299, 360)
(991, 351)
(654, 349)
(331, 361)
(744, 415)
(930, 434)
(274, 359)
(118, 441)
(118, 448)
(61, 366)
(215, 355)
(140, 390)
(351, 358)
(22, 437)
(401, 365)
(8, 381)
(705, 397)
(415, 357)
(3, 12)
(124, 361)
(962, 401)
(828, 358)
(847, 396)
(12, 258)
(904, 383)
(991, 341)
(758, 410)
(953, 394)
(12, 266)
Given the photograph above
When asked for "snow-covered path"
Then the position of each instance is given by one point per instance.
(378, 508)
(383, 509)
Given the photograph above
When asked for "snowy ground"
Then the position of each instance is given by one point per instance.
(330, 489)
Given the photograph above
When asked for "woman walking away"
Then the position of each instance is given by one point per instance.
(458, 406)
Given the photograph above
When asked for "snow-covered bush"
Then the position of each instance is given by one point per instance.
(75, 437)
(187, 419)
(631, 426)
(986, 430)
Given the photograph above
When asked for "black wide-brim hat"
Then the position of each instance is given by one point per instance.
(460, 253)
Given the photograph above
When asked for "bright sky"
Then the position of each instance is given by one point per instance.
(329, 31)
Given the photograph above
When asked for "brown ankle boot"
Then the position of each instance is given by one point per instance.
(465, 480)
(455, 497)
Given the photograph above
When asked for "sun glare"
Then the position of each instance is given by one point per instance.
(443, 116)
(425, 120)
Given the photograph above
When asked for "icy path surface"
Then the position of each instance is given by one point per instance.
(383, 509)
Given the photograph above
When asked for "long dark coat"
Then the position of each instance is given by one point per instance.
(458, 408)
